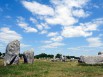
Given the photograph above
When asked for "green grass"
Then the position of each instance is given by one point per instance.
(51, 69)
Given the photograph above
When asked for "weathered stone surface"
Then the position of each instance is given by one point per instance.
(62, 58)
(100, 53)
(28, 56)
(12, 53)
(91, 59)
(54, 59)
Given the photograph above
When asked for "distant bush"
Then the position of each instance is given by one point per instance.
(58, 55)
(43, 55)
(0, 53)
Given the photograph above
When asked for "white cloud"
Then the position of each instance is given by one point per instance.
(80, 13)
(43, 32)
(62, 12)
(40, 27)
(94, 41)
(37, 8)
(63, 16)
(51, 34)
(7, 35)
(75, 3)
(84, 30)
(66, 13)
(24, 45)
(70, 3)
(33, 20)
(86, 49)
(93, 25)
(53, 45)
(46, 42)
(30, 29)
(75, 32)
(57, 38)
(45, 25)
(25, 26)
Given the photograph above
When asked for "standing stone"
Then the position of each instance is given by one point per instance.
(12, 53)
(54, 59)
(28, 56)
(92, 59)
(100, 53)
(63, 58)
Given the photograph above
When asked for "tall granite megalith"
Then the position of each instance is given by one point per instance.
(12, 53)
(28, 56)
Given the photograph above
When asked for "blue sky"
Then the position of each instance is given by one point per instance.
(69, 27)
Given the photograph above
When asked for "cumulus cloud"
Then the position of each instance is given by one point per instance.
(84, 29)
(62, 12)
(25, 26)
(75, 32)
(94, 41)
(40, 27)
(53, 45)
(7, 35)
(53, 42)
(37, 8)
(43, 32)
(57, 38)
(70, 3)
(45, 25)
(24, 45)
(33, 20)
(85, 49)
(80, 13)
(51, 34)
(66, 14)
(63, 16)
(47, 41)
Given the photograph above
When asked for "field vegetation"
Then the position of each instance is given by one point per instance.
(46, 68)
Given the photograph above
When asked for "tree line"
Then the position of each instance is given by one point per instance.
(44, 55)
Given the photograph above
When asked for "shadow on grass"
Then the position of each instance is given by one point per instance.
(84, 64)
(12, 69)
(6, 70)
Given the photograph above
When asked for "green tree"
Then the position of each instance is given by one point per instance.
(0, 53)
(43, 55)
(58, 55)
(50, 56)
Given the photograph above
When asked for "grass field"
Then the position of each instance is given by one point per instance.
(50, 69)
